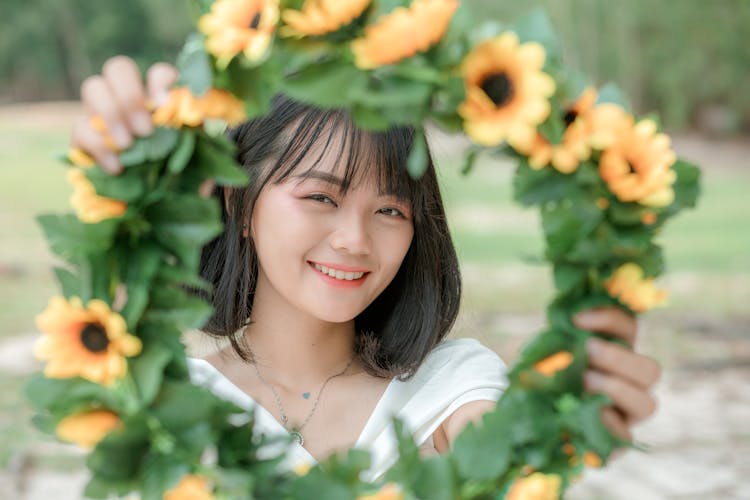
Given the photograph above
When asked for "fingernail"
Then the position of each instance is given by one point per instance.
(142, 123)
(110, 163)
(120, 136)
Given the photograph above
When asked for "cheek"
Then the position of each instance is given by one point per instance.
(394, 247)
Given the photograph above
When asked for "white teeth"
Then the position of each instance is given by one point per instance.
(341, 275)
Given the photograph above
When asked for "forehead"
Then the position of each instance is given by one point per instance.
(337, 152)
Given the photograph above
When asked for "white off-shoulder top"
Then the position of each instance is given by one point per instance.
(456, 372)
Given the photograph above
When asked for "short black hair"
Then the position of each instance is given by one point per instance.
(416, 310)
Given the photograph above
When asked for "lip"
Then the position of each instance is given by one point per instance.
(340, 267)
(337, 282)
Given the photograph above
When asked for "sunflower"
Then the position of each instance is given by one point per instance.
(239, 26)
(87, 428)
(89, 206)
(537, 486)
(637, 166)
(90, 342)
(403, 32)
(592, 459)
(554, 363)
(507, 94)
(575, 146)
(389, 491)
(183, 109)
(319, 17)
(80, 158)
(629, 286)
(190, 487)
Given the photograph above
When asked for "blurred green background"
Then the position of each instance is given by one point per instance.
(689, 61)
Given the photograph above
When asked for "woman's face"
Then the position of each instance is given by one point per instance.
(323, 252)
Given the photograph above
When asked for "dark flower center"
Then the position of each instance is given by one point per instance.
(569, 117)
(94, 337)
(256, 21)
(498, 87)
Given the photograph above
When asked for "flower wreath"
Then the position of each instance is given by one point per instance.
(116, 379)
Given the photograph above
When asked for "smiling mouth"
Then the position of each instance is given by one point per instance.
(338, 273)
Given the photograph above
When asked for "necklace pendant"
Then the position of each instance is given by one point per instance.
(297, 435)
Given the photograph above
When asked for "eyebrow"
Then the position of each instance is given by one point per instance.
(323, 176)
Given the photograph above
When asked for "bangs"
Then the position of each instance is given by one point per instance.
(353, 155)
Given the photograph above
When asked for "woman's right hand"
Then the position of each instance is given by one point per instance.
(116, 108)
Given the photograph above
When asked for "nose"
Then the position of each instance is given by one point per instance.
(351, 234)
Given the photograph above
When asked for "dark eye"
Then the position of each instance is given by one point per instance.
(321, 198)
(393, 212)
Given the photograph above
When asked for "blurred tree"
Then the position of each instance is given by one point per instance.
(689, 59)
(48, 47)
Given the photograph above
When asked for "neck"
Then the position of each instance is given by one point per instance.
(292, 348)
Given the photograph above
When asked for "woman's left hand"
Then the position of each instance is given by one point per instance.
(617, 371)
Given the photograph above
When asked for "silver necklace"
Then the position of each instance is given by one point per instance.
(296, 432)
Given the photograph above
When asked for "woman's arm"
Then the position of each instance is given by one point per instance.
(624, 375)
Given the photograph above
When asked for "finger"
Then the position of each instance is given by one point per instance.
(615, 423)
(635, 403)
(100, 101)
(610, 321)
(92, 142)
(618, 360)
(124, 80)
(159, 78)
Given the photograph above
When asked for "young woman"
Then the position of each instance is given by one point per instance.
(336, 283)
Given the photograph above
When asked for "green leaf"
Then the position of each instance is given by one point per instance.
(316, 485)
(568, 277)
(101, 488)
(62, 396)
(182, 152)
(536, 26)
(70, 284)
(184, 223)
(214, 163)
(418, 159)
(179, 276)
(135, 154)
(194, 66)
(175, 306)
(368, 118)
(325, 84)
(142, 264)
(128, 186)
(687, 185)
(534, 187)
(433, 479)
(119, 456)
(148, 370)
(470, 159)
(180, 405)
(613, 94)
(161, 143)
(566, 223)
(481, 453)
(161, 473)
(70, 238)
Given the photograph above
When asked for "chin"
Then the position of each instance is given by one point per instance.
(335, 314)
